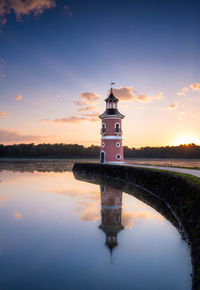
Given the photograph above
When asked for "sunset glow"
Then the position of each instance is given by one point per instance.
(186, 140)
(56, 69)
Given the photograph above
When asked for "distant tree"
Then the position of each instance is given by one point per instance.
(60, 150)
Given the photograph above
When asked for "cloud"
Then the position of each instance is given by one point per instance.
(87, 101)
(18, 97)
(89, 215)
(8, 136)
(195, 86)
(89, 98)
(23, 7)
(2, 114)
(16, 215)
(158, 96)
(92, 117)
(125, 93)
(182, 92)
(130, 94)
(173, 106)
(87, 205)
(87, 108)
(143, 98)
(184, 89)
(129, 218)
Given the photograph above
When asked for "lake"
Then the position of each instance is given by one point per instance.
(58, 232)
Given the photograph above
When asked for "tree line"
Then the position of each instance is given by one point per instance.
(79, 151)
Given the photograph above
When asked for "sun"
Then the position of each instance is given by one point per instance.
(186, 140)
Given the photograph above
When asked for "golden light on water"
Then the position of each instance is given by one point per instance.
(186, 139)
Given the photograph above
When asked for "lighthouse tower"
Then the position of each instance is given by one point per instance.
(111, 131)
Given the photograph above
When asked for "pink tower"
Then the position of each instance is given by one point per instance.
(111, 142)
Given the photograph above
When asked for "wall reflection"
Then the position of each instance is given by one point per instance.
(111, 210)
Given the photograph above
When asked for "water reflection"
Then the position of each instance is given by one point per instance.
(111, 210)
(56, 233)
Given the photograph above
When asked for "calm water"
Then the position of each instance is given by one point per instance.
(57, 232)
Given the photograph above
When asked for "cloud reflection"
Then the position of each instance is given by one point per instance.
(17, 215)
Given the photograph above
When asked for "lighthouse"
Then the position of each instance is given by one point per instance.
(111, 141)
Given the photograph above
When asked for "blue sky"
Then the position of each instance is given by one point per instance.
(53, 51)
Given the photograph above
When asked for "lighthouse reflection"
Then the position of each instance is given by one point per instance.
(111, 210)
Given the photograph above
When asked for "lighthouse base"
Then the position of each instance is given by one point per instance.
(112, 162)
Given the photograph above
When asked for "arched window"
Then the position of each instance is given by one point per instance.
(117, 144)
(103, 216)
(117, 128)
(103, 145)
(103, 128)
(117, 218)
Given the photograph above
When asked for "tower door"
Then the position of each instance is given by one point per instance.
(102, 157)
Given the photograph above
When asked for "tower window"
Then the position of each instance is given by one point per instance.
(118, 156)
(117, 218)
(117, 128)
(103, 128)
(103, 145)
(117, 144)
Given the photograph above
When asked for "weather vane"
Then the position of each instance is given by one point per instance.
(111, 85)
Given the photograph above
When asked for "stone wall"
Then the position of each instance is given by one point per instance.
(177, 192)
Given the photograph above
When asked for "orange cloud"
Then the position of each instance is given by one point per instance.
(2, 114)
(195, 86)
(89, 215)
(125, 93)
(87, 205)
(87, 108)
(77, 192)
(129, 218)
(91, 117)
(180, 94)
(129, 94)
(143, 98)
(18, 97)
(16, 215)
(173, 106)
(184, 89)
(23, 7)
(87, 101)
(89, 97)
(8, 136)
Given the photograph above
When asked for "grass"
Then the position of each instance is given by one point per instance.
(194, 179)
(157, 165)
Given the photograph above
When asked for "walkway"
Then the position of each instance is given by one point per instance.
(194, 172)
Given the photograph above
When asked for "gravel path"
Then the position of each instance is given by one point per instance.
(194, 172)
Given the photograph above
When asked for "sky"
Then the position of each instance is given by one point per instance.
(57, 59)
